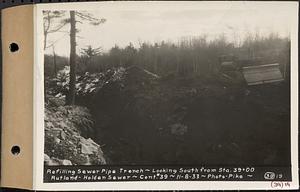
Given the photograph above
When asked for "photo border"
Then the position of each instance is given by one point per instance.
(150, 185)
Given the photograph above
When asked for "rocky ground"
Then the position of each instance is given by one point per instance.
(64, 141)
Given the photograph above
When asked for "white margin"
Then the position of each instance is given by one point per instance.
(149, 185)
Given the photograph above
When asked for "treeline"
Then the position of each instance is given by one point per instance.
(191, 55)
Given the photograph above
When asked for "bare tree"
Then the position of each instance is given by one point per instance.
(54, 60)
(50, 26)
(77, 17)
(72, 84)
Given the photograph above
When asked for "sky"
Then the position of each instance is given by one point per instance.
(138, 22)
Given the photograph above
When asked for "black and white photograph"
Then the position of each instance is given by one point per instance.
(169, 85)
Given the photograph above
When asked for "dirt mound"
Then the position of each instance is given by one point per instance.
(144, 119)
(141, 118)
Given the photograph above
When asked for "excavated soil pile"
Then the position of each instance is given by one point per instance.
(141, 118)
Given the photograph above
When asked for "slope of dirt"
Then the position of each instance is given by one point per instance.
(141, 118)
(145, 119)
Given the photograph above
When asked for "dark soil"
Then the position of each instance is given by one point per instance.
(142, 119)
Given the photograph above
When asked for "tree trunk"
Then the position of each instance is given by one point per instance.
(54, 61)
(46, 31)
(72, 89)
(45, 40)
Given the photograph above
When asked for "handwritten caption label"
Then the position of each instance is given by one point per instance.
(280, 185)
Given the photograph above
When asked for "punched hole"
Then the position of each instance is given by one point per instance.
(15, 150)
(13, 47)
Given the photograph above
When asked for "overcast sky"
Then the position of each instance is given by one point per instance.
(138, 22)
